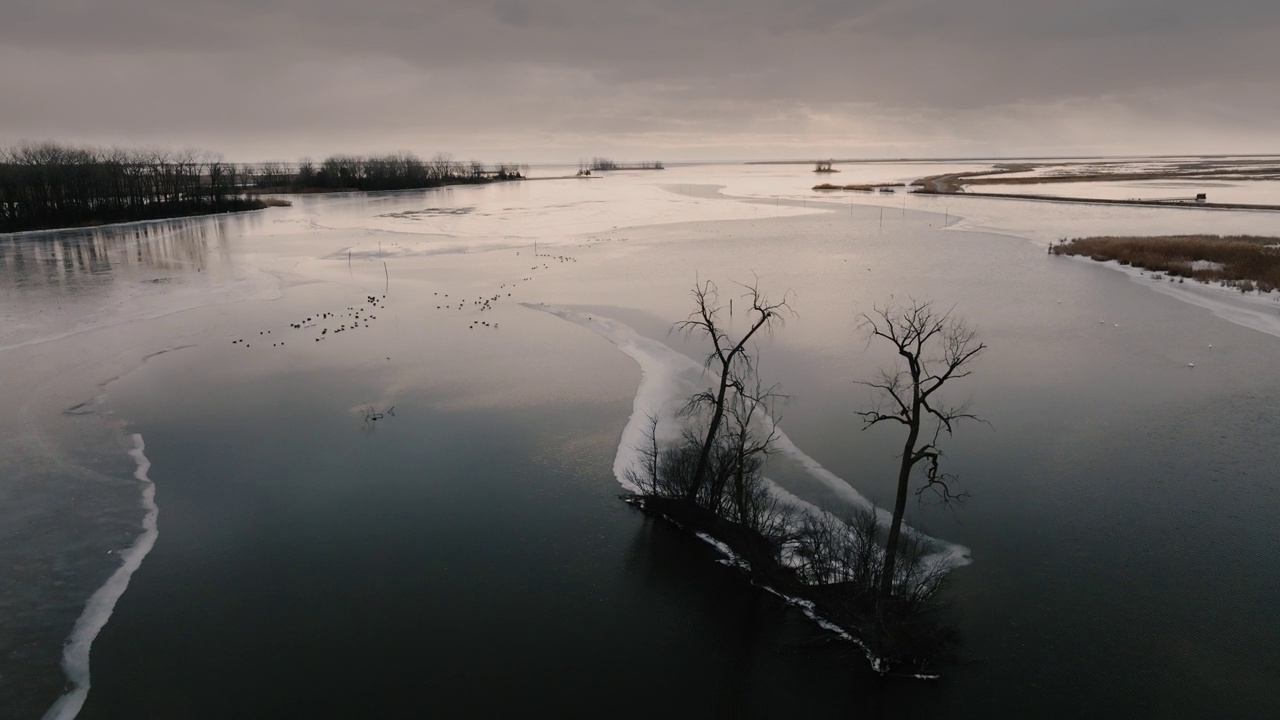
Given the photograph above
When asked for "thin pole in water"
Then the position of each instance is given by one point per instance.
(387, 289)
(881, 219)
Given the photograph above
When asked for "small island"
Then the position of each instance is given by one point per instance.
(603, 164)
(858, 187)
(1245, 262)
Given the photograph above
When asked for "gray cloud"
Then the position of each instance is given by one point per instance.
(697, 75)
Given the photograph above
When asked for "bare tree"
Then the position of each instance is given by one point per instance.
(750, 448)
(730, 359)
(934, 348)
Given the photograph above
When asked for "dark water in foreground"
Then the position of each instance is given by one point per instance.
(443, 564)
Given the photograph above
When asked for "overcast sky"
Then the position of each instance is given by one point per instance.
(559, 80)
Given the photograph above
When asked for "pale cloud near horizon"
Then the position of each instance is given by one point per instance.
(694, 79)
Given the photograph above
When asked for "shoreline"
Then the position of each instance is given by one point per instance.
(1103, 201)
(1204, 170)
(771, 577)
(1247, 310)
(314, 190)
(265, 204)
(139, 221)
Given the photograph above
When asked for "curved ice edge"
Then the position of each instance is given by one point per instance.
(75, 654)
(1247, 310)
(661, 371)
(1251, 310)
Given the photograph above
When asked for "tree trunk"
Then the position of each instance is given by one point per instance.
(899, 507)
(716, 416)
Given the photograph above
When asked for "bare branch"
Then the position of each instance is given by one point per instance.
(934, 348)
(733, 364)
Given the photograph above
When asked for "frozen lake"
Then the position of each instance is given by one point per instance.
(469, 555)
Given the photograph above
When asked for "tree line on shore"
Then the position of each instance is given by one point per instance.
(875, 580)
(48, 185)
(395, 171)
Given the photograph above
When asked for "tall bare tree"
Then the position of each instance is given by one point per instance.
(934, 348)
(731, 361)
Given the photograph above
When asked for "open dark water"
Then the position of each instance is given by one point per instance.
(445, 563)
(468, 556)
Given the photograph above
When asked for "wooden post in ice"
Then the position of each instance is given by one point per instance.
(730, 307)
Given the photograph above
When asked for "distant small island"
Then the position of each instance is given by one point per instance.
(46, 185)
(859, 187)
(601, 164)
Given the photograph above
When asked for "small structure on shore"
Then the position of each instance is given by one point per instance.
(824, 167)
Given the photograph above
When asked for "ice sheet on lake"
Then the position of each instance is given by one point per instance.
(1254, 310)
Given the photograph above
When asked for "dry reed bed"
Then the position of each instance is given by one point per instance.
(1247, 262)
